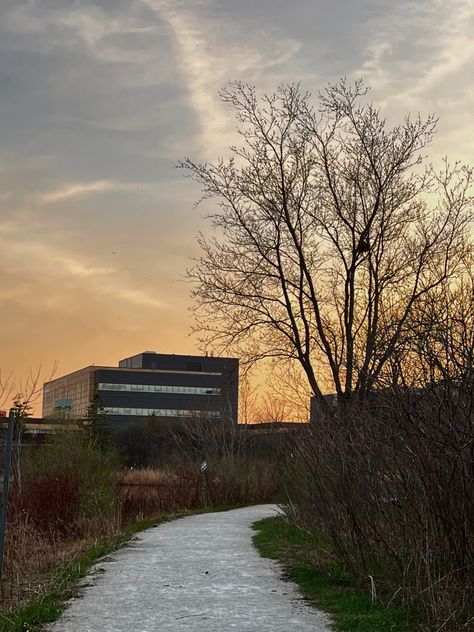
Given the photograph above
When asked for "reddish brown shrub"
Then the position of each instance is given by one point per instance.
(51, 503)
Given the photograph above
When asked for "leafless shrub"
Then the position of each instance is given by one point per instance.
(67, 501)
(391, 483)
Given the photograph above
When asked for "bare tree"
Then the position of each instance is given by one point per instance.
(272, 409)
(23, 402)
(6, 389)
(287, 383)
(21, 410)
(285, 394)
(328, 232)
(444, 333)
(248, 395)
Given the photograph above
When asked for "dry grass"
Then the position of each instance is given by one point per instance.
(149, 493)
(66, 502)
(145, 476)
(32, 556)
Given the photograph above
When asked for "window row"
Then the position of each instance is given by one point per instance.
(160, 388)
(160, 412)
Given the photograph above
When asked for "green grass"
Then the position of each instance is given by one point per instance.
(63, 585)
(323, 580)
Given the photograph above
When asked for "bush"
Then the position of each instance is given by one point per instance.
(148, 443)
(68, 485)
(67, 499)
(390, 484)
(49, 503)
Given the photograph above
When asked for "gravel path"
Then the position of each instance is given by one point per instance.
(200, 573)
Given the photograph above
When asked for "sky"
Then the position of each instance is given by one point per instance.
(98, 102)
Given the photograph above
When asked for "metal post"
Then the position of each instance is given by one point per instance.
(7, 457)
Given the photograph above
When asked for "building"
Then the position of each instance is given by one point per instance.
(37, 430)
(315, 406)
(166, 386)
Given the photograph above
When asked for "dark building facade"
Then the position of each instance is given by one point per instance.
(315, 406)
(162, 385)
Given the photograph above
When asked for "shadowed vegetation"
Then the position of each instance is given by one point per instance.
(307, 560)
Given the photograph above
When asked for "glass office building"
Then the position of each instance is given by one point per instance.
(163, 385)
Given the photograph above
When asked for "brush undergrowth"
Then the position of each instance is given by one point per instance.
(306, 559)
(73, 505)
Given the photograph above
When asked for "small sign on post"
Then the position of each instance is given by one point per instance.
(203, 466)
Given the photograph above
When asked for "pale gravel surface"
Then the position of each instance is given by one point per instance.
(199, 573)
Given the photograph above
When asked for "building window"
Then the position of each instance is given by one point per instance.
(160, 388)
(160, 412)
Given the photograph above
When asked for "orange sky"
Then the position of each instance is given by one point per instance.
(100, 99)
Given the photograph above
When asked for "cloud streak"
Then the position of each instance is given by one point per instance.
(207, 61)
(78, 189)
(415, 47)
(77, 268)
(53, 266)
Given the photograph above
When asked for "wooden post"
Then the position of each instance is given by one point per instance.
(7, 457)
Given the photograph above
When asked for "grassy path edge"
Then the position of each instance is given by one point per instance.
(48, 606)
(326, 586)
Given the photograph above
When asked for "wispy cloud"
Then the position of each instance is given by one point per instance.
(74, 190)
(77, 189)
(87, 24)
(79, 269)
(209, 55)
(415, 47)
(137, 297)
(455, 46)
(52, 266)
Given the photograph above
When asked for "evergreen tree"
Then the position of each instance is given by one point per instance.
(21, 410)
(95, 425)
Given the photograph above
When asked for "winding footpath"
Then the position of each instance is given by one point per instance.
(199, 573)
